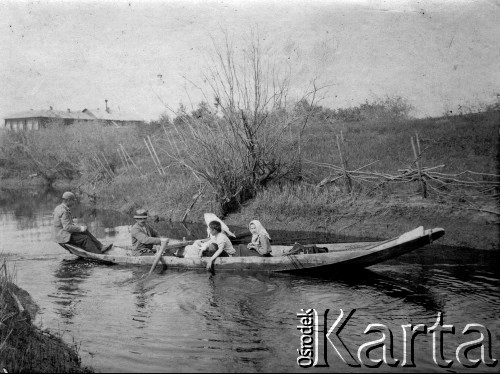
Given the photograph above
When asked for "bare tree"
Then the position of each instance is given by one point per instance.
(251, 133)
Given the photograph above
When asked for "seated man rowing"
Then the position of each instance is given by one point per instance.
(144, 237)
(66, 231)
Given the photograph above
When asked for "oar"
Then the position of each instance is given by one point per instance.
(165, 247)
(158, 255)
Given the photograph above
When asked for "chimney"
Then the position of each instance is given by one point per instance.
(50, 108)
(69, 111)
(107, 109)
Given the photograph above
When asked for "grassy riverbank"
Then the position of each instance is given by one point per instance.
(378, 217)
(23, 346)
(374, 210)
(378, 143)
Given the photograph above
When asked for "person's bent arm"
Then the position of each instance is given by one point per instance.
(265, 245)
(67, 223)
(145, 239)
(214, 256)
(201, 241)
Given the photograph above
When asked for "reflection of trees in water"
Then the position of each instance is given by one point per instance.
(69, 275)
(25, 206)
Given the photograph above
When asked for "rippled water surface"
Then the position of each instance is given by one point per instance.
(178, 321)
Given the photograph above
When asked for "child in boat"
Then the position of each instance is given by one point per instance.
(202, 247)
(218, 242)
(261, 241)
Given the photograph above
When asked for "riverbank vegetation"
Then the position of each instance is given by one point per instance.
(115, 166)
(24, 347)
(255, 144)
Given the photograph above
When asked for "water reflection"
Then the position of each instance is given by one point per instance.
(143, 293)
(24, 207)
(412, 287)
(230, 322)
(236, 313)
(69, 276)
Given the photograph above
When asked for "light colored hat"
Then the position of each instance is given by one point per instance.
(141, 213)
(68, 195)
(209, 217)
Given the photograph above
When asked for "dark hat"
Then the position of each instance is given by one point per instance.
(68, 195)
(141, 213)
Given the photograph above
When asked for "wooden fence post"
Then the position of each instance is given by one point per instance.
(423, 186)
(124, 156)
(347, 178)
(130, 159)
(122, 159)
(152, 156)
(156, 155)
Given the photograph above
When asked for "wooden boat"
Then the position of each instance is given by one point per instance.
(340, 256)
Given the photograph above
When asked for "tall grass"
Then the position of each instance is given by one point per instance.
(459, 143)
(463, 142)
(23, 347)
(296, 199)
(64, 152)
(169, 195)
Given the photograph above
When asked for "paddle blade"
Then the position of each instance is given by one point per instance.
(158, 256)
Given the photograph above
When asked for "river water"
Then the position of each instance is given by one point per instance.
(178, 321)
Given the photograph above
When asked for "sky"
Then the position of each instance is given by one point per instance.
(146, 57)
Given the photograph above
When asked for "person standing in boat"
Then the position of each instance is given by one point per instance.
(261, 241)
(144, 237)
(66, 231)
(219, 242)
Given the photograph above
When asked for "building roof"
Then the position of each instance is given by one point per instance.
(60, 114)
(113, 115)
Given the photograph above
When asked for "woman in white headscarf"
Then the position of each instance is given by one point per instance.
(261, 241)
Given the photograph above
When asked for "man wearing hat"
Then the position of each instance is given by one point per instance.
(65, 231)
(144, 237)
